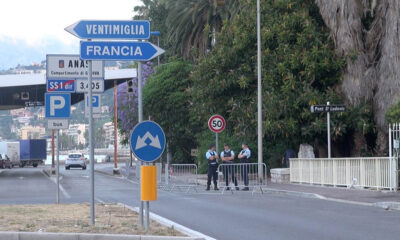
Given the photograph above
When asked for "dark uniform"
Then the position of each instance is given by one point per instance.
(212, 169)
(228, 169)
(246, 153)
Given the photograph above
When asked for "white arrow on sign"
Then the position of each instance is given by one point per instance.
(141, 141)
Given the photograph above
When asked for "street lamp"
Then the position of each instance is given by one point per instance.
(259, 95)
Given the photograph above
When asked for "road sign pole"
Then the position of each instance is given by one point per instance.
(140, 111)
(216, 142)
(147, 215)
(328, 119)
(91, 149)
(58, 166)
(116, 170)
(52, 152)
(259, 96)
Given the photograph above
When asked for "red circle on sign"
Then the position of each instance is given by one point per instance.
(216, 123)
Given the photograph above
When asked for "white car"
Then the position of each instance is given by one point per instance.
(75, 160)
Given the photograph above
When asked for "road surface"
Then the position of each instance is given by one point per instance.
(238, 216)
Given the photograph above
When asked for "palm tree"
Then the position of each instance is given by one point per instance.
(192, 24)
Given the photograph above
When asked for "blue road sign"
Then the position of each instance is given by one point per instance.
(104, 29)
(95, 100)
(133, 51)
(58, 105)
(147, 141)
(57, 85)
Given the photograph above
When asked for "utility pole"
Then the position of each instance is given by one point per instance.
(259, 96)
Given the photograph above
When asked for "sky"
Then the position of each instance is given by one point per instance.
(30, 29)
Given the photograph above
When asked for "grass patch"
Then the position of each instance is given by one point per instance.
(110, 218)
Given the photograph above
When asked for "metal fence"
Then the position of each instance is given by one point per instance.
(235, 176)
(362, 172)
(180, 177)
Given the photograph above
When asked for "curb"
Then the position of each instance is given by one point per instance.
(85, 236)
(294, 193)
(107, 173)
(388, 205)
(171, 224)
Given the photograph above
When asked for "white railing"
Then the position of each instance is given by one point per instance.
(362, 172)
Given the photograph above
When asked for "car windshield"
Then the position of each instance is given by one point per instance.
(75, 155)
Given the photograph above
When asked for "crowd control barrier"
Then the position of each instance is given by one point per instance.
(180, 177)
(236, 176)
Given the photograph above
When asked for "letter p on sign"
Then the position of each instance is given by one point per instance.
(56, 102)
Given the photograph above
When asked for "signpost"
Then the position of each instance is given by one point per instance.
(106, 29)
(148, 143)
(216, 123)
(64, 66)
(58, 108)
(113, 50)
(118, 50)
(328, 109)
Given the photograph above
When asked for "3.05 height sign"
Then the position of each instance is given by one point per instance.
(216, 123)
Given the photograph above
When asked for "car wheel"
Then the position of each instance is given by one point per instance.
(35, 165)
(66, 168)
(84, 168)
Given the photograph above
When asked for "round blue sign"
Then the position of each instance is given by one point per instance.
(147, 141)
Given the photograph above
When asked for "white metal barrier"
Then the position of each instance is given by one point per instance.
(363, 172)
(180, 177)
(241, 175)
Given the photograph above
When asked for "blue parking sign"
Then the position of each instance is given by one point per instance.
(58, 105)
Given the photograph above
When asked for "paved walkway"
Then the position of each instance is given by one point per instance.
(330, 193)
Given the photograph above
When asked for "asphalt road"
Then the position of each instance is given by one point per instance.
(231, 217)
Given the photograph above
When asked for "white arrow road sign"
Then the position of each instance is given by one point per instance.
(141, 141)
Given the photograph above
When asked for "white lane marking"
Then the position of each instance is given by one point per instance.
(54, 180)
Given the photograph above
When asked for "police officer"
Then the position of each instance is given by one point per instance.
(212, 158)
(244, 157)
(227, 157)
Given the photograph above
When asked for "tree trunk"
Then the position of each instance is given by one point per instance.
(372, 53)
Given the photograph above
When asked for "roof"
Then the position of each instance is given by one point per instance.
(15, 80)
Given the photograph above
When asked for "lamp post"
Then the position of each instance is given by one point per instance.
(259, 95)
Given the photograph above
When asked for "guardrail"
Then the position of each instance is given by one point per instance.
(234, 176)
(362, 172)
(180, 177)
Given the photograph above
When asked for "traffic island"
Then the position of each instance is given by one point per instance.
(75, 218)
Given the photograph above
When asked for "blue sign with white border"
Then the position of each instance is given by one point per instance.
(110, 29)
(147, 141)
(58, 105)
(119, 50)
(95, 100)
(60, 85)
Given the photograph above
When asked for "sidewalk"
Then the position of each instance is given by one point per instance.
(384, 199)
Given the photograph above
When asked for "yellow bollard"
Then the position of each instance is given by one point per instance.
(149, 183)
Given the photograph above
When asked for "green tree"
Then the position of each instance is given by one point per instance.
(166, 99)
(299, 69)
(192, 24)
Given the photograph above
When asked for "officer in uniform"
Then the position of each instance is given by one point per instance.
(227, 157)
(212, 157)
(244, 157)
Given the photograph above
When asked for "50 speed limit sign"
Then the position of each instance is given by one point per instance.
(216, 123)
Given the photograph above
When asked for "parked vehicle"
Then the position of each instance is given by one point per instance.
(12, 151)
(32, 152)
(75, 160)
(5, 161)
